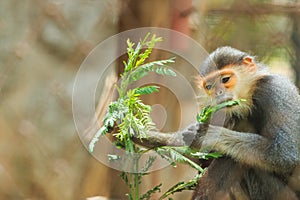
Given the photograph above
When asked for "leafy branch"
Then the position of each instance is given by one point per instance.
(131, 115)
(182, 155)
(205, 114)
(189, 185)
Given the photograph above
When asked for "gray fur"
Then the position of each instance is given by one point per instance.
(261, 150)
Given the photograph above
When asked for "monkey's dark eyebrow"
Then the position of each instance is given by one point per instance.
(212, 76)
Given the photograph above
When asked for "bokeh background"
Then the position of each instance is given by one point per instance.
(43, 43)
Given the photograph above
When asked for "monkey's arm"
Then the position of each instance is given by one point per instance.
(181, 138)
(279, 154)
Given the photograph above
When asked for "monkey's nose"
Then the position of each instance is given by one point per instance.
(219, 92)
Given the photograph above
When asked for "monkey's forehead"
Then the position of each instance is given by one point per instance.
(220, 58)
(227, 70)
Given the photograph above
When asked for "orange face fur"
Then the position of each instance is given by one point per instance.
(225, 78)
(232, 82)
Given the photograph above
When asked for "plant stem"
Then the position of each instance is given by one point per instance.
(136, 187)
(124, 85)
(137, 178)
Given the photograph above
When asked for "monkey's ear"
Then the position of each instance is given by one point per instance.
(249, 62)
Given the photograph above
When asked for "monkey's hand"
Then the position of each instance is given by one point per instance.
(192, 135)
(211, 138)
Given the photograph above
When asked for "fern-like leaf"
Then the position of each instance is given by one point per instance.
(150, 44)
(149, 66)
(189, 185)
(130, 115)
(148, 164)
(165, 71)
(133, 54)
(146, 89)
(103, 130)
(206, 112)
(158, 67)
(175, 156)
(148, 194)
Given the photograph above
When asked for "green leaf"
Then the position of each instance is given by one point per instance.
(148, 164)
(150, 44)
(160, 151)
(132, 55)
(206, 112)
(158, 66)
(175, 156)
(102, 131)
(164, 71)
(146, 89)
(195, 153)
(137, 75)
(189, 185)
(124, 176)
(148, 194)
(203, 155)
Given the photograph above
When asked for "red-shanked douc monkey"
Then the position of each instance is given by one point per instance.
(260, 139)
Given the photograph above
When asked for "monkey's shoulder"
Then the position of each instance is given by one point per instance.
(276, 103)
(277, 90)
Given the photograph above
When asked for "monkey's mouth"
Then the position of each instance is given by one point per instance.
(223, 100)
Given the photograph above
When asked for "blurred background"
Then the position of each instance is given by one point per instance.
(43, 43)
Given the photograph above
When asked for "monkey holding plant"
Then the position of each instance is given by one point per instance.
(260, 138)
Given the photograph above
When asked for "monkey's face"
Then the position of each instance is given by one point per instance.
(220, 85)
(232, 82)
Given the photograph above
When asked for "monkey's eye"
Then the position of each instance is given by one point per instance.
(225, 79)
(208, 86)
